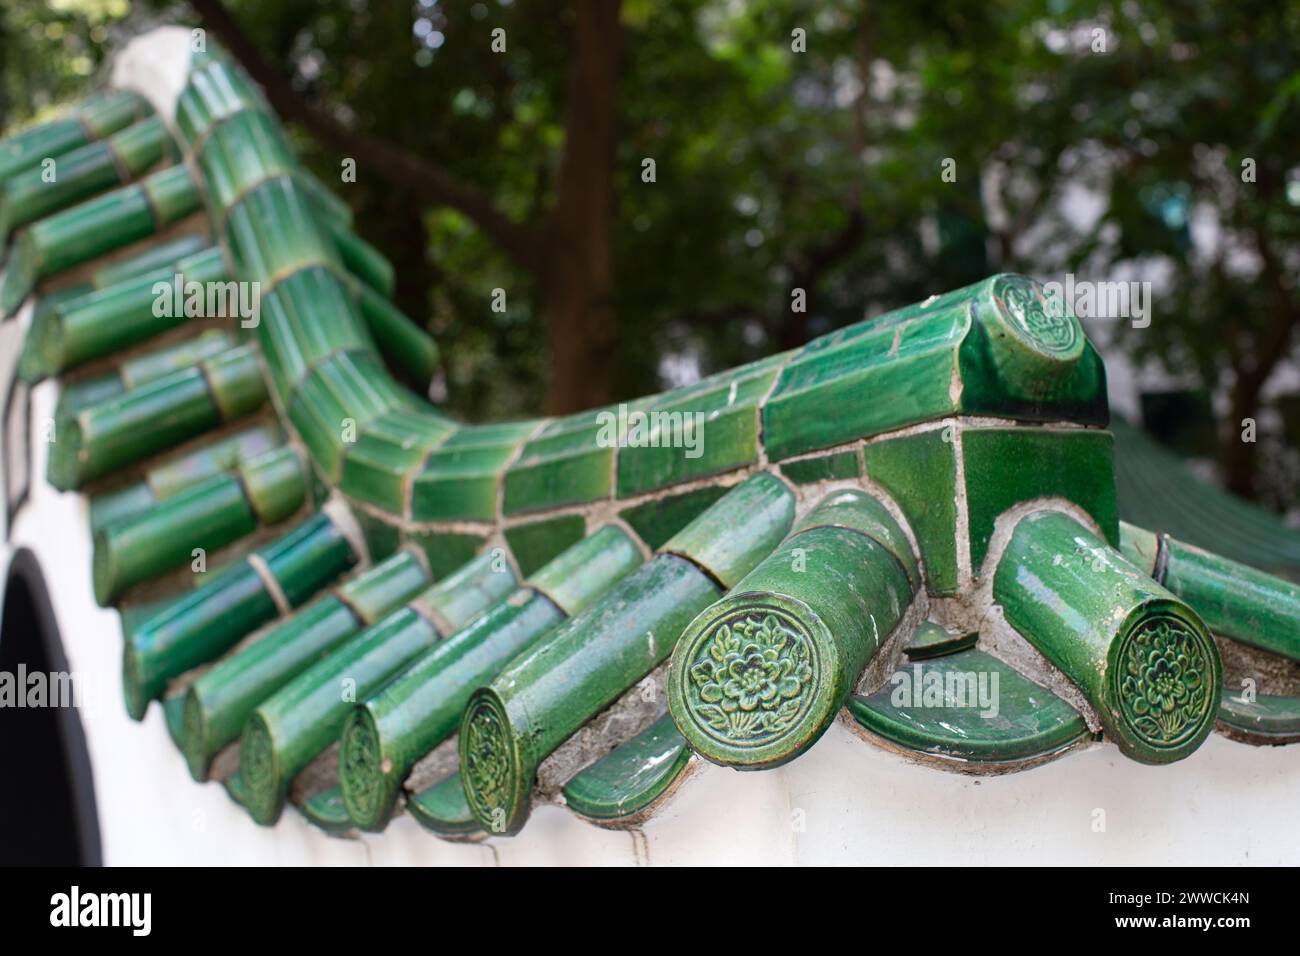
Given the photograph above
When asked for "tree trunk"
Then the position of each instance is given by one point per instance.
(578, 280)
(1239, 458)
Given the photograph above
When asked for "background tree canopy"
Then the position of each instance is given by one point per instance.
(797, 146)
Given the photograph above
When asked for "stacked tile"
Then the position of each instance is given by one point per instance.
(93, 119)
(84, 172)
(385, 737)
(1233, 599)
(206, 516)
(94, 227)
(204, 623)
(220, 701)
(759, 676)
(169, 477)
(111, 318)
(552, 689)
(305, 716)
(155, 416)
(1141, 656)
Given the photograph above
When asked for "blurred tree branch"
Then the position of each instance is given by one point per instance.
(401, 167)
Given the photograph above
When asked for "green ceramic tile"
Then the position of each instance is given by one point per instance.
(375, 470)
(459, 483)
(321, 424)
(920, 472)
(361, 385)
(326, 810)
(1079, 396)
(658, 520)
(631, 777)
(272, 232)
(1269, 718)
(242, 152)
(840, 465)
(928, 708)
(930, 640)
(1005, 466)
(881, 379)
(443, 809)
(446, 551)
(536, 543)
(693, 433)
(569, 462)
(303, 319)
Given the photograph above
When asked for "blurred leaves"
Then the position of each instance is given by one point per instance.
(1068, 158)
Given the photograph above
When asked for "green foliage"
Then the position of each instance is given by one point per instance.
(1067, 158)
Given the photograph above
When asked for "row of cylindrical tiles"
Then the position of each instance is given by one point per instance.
(778, 619)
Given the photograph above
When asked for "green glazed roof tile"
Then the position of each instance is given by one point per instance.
(1021, 721)
(633, 776)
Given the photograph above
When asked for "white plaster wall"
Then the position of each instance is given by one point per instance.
(844, 802)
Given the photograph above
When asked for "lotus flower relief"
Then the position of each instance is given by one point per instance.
(750, 678)
(488, 764)
(1163, 687)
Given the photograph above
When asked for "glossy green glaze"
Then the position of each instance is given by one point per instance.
(1234, 600)
(758, 677)
(660, 518)
(737, 532)
(219, 701)
(444, 810)
(959, 409)
(969, 707)
(919, 471)
(1005, 466)
(930, 640)
(552, 689)
(1269, 718)
(1141, 656)
(632, 777)
(106, 319)
(325, 810)
(537, 542)
(181, 471)
(81, 173)
(291, 727)
(997, 338)
(385, 737)
(93, 118)
(155, 416)
(204, 623)
(833, 467)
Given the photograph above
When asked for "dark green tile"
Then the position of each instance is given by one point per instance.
(571, 461)
(536, 543)
(632, 776)
(920, 472)
(446, 551)
(806, 471)
(885, 377)
(1005, 466)
(657, 521)
(930, 640)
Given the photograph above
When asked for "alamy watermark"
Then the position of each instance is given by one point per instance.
(941, 688)
(633, 428)
(34, 689)
(190, 298)
(75, 908)
(1100, 300)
